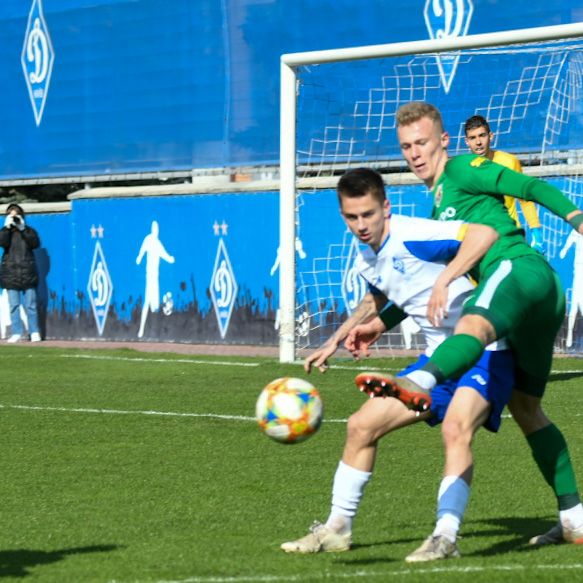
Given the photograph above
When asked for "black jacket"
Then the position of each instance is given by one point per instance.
(18, 267)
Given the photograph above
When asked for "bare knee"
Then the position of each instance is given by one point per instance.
(455, 433)
(477, 326)
(359, 431)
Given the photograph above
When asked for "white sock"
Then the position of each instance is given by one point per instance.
(573, 517)
(452, 500)
(423, 378)
(347, 493)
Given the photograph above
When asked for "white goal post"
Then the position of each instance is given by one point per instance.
(290, 181)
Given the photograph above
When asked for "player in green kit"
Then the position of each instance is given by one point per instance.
(519, 296)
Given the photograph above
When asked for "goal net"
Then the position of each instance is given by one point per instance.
(338, 111)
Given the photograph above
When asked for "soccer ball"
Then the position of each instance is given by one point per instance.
(289, 410)
(167, 304)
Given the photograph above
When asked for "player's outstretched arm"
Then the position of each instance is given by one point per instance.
(542, 192)
(367, 309)
(477, 241)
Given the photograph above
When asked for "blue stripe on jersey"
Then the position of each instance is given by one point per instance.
(442, 250)
(384, 242)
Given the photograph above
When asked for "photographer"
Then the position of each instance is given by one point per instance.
(18, 273)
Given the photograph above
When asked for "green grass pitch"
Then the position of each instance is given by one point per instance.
(120, 466)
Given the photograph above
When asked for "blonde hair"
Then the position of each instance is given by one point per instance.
(415, 110)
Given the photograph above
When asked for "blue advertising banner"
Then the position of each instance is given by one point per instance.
(204, 268)
(101, 87)
(172, 268)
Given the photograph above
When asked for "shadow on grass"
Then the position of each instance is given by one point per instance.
(368, 561)
(16, 563)
(564, 376)
(520, 528)
(374, 560)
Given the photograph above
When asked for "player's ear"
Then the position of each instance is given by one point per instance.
(386, 209)
(444, 139)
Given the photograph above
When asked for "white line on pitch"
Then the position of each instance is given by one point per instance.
(365, 368)
(252, 364)
(368, 574)
(164, 360)
(150, 413)
(165, 413)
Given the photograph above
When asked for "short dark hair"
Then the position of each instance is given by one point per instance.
(475, 122)
(360, 182)
(16, 207)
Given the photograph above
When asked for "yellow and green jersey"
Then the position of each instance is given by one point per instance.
(528, 208)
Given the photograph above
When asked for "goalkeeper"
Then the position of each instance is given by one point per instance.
(479, 138)
(404, 257)
(519, 297)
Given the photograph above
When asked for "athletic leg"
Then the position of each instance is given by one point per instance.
(533, 343)
(479, 400)
(467, 412)
(373, 420)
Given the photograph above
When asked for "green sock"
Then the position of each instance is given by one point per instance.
(551, 454)
(454, 356)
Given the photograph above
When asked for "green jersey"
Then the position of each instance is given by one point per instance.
(518, 291)
(472, 189)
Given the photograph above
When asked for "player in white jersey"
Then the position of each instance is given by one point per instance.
(406, 266)
(404, 258)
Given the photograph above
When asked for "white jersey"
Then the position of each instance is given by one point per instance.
(406, 266)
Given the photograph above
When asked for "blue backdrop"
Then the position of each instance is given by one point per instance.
(146, 85)
(213, 271)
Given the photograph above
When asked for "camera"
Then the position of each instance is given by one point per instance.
(17, 220)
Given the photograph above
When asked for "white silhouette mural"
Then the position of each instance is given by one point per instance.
(299, 250)
(577, 288)
(303, 321)
(408, 328)
(154, 251)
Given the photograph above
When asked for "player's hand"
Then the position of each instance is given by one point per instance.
(361, 337)
(536, 240)
(9, 221)
(437, 305)
(319, 359)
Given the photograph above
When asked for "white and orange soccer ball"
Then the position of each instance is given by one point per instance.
(289, 410)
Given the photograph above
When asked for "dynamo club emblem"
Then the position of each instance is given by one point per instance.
(37, 59)
(223, 288)
(353, 285)
(447, 19)
(99, 288)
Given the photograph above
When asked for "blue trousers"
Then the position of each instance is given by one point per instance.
(27, 298)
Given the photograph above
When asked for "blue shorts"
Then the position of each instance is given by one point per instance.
(492, 376)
